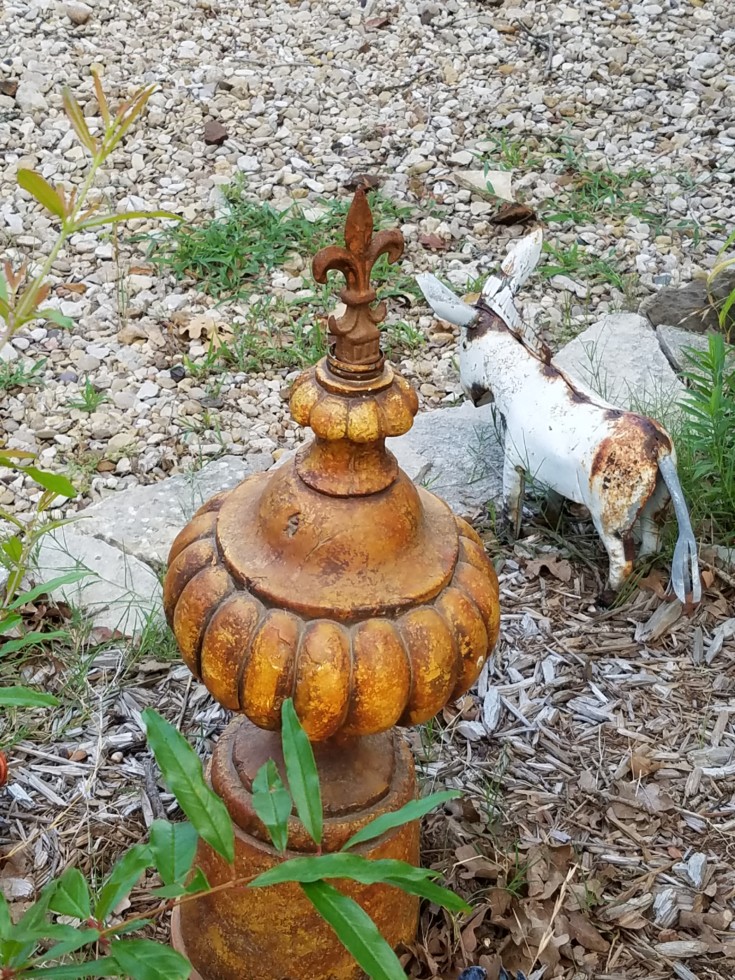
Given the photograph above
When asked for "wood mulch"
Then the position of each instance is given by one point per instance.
(596, 834)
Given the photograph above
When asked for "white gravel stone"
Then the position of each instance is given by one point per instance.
(309, 100)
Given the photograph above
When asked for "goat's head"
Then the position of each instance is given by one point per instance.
(494, 311)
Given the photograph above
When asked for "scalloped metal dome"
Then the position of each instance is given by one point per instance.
(333, 579)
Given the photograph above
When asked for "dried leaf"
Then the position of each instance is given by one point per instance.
(513, 214)
(433, 242)
(558, 567)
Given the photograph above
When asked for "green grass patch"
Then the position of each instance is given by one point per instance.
(576, 261)
(21, 374)
(228, 257)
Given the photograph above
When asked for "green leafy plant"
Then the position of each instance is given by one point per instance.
(724, 307)
(574, 260)
(228, 256)
(16, 550)
(21, 296)
(20, 374)
(90, 398)
(706, 439)
(40, 946)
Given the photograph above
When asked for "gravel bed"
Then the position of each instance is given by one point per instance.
(310, 94)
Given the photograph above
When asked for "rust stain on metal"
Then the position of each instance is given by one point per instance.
(487, 321)
(625, 467)
(357, 338)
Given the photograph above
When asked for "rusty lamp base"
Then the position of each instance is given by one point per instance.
(275, 933)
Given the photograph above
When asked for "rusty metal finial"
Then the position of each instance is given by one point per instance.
(357, 338)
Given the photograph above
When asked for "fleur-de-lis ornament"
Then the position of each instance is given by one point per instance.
(356, 348)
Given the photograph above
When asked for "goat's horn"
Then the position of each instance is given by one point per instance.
(522, 260)
(444, 303)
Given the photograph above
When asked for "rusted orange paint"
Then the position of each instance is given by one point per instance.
(231, 630)
(625, 467)
(435, 663)
(468, 628)
(191, 560)
(381, 678)
(198, 600)
(269, 666)
(322, 688)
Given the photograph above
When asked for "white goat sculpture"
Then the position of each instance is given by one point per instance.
(620, 465)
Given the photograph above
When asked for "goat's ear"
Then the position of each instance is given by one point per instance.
(522, 260)
(444, 303)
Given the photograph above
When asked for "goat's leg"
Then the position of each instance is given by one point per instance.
(619, 547)
(650, 519)
(514, 484)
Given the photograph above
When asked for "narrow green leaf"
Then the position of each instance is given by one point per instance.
(437, 894)
(76, 118)
(341, 865)
(71, 895)
(11, 454)
(81, 937)
(104, 967)
(198, 883)
(32, 927)
(356, 931)
(303, 778)
(25, 697)
(4, 294)
(6, 923)
(411, 811)
(725, 309)
(146, 960)
(122, 879)
(272, 802)
(182, 770)
(30, 640)
(47, 587)
(168, 891)
(173, 846)
(57, 317)
(55, 482)
(101, 98)
(113, 217)
(44, 193)
(13, 548)
(9, 621)
(10, 518)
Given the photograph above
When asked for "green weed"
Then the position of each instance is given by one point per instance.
(576, 261)
(228, 256)
(21, 374)
(90, 398)
(592, 193)
(706, 443)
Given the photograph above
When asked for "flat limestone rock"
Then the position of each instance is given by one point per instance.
(119, 593)
(143, 522)
(456, 454)
(675, 342)
(690, 306)
(490, 186)
(620, 359)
